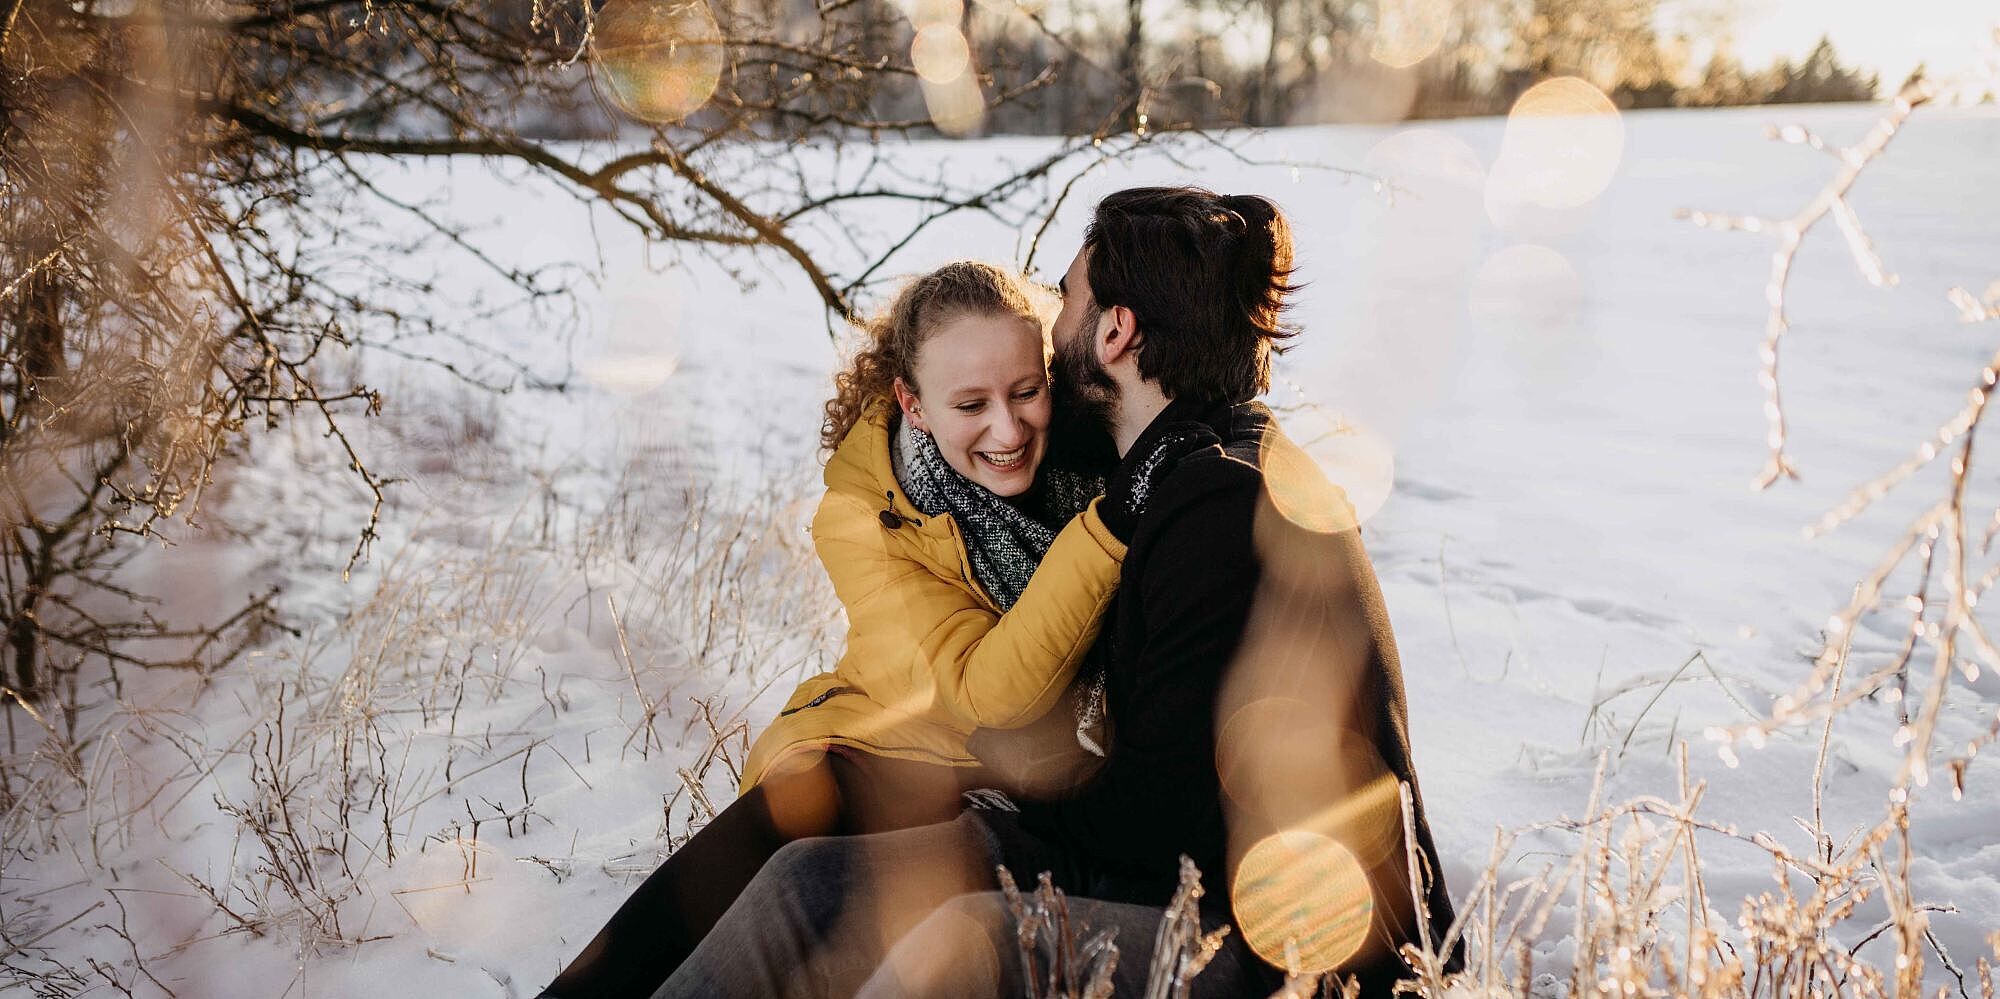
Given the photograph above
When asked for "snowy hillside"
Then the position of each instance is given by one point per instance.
(583, 602)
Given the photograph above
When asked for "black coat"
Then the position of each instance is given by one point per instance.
(1245, 594)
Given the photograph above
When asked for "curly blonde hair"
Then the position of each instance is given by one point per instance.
(919, 310)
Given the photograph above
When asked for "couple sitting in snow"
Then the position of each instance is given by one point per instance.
(1088, 635)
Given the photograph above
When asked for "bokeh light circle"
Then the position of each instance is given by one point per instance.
(1424, 159)
(1408, 31)
(639, 347)
(940, 53)
(1303, 888)
(1264, 745)
(1561, 148)
(658, 60)
(935, 11)
(1361, 463)
(1527, 288)
(1300, 489)
(957, 106)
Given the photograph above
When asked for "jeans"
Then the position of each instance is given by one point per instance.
(967, 948)
(915, 913)
(662, 921)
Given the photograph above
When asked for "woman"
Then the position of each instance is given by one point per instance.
(973, 578)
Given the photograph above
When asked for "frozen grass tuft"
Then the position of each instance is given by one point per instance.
(406, 749)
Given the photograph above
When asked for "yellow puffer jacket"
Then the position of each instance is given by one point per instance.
(929, 655)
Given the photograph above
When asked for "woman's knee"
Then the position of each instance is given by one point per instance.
(967, 920)
(961, 948)
(812, 857)
(803, 801)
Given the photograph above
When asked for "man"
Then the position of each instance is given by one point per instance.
(1249, 676)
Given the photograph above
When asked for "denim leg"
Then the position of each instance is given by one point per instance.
(966, 950)
(819, 916)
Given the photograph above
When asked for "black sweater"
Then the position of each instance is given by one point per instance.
(1242, 585)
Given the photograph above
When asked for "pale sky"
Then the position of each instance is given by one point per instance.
(1887, 36)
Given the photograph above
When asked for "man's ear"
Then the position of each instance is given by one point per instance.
(913, 410)
(1120, 336)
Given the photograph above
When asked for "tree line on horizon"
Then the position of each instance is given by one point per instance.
(1297, 62)
(1126, 64)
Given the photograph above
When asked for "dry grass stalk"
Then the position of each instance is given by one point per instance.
(1638, 861)
(1957, 640)
(337, 775)
(1053, 964)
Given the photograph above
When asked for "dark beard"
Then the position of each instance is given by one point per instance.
(1081, 386)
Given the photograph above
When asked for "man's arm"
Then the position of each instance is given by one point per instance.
(1157, 796)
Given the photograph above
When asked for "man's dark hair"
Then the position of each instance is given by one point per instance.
(1206, 275)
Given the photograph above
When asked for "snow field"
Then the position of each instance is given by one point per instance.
(1552, 421)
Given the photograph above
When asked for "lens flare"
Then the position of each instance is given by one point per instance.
(1562, 146)
(1527, 288)
(640, 350)
(1263, 745)
(924, 12)
(1426, 157)
(1408, 31)
(940, 53)
(659, 60)
(957, 107)
(1359, 91)
(1360, 462)
(630, 375)
(432, 880)
(1305, 889)
(1300, 489)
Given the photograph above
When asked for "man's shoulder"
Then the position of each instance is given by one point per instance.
(1236, 466)
(1214, 478)
(1213, 492)
(1255, 460)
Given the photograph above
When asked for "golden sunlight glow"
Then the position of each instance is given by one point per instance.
(1264, 745)
(1562, 146)
(1368, 819)
(926, 12)
(1360, 91)
(940, 53)
(1306, 889)
(1408, 31)
(433, 881)
(956, 107)
(1302, 492)
(658, 61)
(1360, 462)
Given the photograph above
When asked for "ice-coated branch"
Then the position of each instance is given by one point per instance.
(1791, 233)
(1180, 949)
(1956, 639)
(1053, 964)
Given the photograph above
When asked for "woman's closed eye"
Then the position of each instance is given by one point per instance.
(976, 405)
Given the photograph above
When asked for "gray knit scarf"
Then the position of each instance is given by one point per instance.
(1005, 542)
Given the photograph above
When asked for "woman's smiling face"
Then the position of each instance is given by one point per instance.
(983, 393)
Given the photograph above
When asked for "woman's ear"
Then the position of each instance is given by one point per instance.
(913, 410)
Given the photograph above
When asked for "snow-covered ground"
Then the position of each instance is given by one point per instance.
(1552, 415)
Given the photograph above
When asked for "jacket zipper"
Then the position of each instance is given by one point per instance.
(821, 699)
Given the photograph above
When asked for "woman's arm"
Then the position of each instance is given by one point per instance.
(927, 646)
